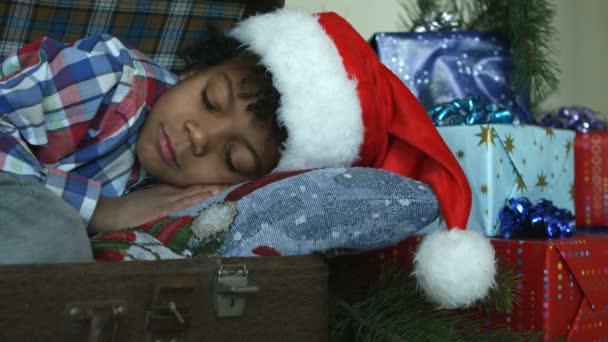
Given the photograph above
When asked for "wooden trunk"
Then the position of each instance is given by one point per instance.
(285, 299)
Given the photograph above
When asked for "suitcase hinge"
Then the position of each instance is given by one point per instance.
(230, 290)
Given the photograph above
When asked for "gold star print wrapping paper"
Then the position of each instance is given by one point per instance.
(506, 161)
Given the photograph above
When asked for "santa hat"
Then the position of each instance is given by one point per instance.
(341, 107)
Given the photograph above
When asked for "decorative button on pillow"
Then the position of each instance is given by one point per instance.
(285, 214)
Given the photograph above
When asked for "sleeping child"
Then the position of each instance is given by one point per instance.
(89, 121)
(82, 125)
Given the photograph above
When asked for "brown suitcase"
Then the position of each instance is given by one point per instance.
(282, 299)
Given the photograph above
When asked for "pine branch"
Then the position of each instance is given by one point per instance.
(526, 24)
(532, 21)
(357, 318)
(506, 294)
(415, 8)
(395, 311)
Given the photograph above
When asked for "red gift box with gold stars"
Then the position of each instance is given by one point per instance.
(563, 290)
(591, 179)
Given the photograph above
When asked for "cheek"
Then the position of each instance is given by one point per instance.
(208, 171)
(147, 148)
(174, 98)
(147, 135)
(198, 170)
(147, 156)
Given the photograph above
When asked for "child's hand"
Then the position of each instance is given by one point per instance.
(146, 205)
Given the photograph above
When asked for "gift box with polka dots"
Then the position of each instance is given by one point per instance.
(563, 286)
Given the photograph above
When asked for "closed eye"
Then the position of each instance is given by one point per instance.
(207, 102)
(228, 159)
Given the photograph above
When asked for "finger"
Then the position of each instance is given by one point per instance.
(187, 201)
(192, 191)
(161, 189)
(221, 188)
(216, 189)
(173, 194)
(212, 187)
(197, 189)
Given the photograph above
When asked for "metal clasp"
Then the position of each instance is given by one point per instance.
(230, 289)
(100, 318)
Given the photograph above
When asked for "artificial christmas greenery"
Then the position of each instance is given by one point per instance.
(526, 24)
(394, 310)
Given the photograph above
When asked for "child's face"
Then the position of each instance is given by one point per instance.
(199, 132)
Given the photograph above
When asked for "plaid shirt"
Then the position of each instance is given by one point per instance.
(70, 116)
(159, 28)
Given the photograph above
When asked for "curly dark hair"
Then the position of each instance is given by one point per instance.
(217, 48)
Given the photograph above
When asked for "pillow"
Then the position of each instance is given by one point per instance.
(290, 213)
(160, 28)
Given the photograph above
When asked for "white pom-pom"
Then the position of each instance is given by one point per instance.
(455, 268)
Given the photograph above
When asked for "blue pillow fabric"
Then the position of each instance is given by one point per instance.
(316, 211)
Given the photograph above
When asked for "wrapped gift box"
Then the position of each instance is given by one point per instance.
(440, 67)
(591, 182)
(507, 161)
(563, 289)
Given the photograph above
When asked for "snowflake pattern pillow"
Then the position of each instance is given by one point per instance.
(291, 213)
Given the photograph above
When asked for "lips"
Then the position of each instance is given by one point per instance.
(166, 148)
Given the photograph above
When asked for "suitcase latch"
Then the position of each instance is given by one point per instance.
(230, 290)
(101, 319)
(170, 315)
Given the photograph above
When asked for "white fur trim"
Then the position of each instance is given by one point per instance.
(455, 268)
(319, 103)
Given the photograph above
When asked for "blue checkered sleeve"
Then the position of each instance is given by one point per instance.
(81, 193)
(49, 94)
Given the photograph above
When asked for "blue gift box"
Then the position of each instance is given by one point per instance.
(439, 67)
(510, 161)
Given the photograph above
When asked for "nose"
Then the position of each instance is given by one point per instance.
(199, 138)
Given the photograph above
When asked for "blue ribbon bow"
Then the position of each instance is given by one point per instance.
(520, 218)
(471, 111)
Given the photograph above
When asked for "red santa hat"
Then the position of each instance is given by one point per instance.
(342, 107)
